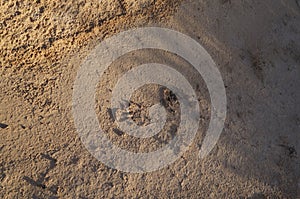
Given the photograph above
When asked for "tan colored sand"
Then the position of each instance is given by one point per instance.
(256, 45)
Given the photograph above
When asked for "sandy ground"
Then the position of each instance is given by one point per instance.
(256, 45)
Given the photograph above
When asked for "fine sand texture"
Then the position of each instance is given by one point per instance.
(255, 45)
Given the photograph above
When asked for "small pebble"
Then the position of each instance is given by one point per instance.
(3, 126)
(118, 132)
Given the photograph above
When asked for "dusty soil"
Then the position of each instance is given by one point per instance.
(256, 45)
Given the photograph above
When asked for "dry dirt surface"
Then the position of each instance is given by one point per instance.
(256, 46)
